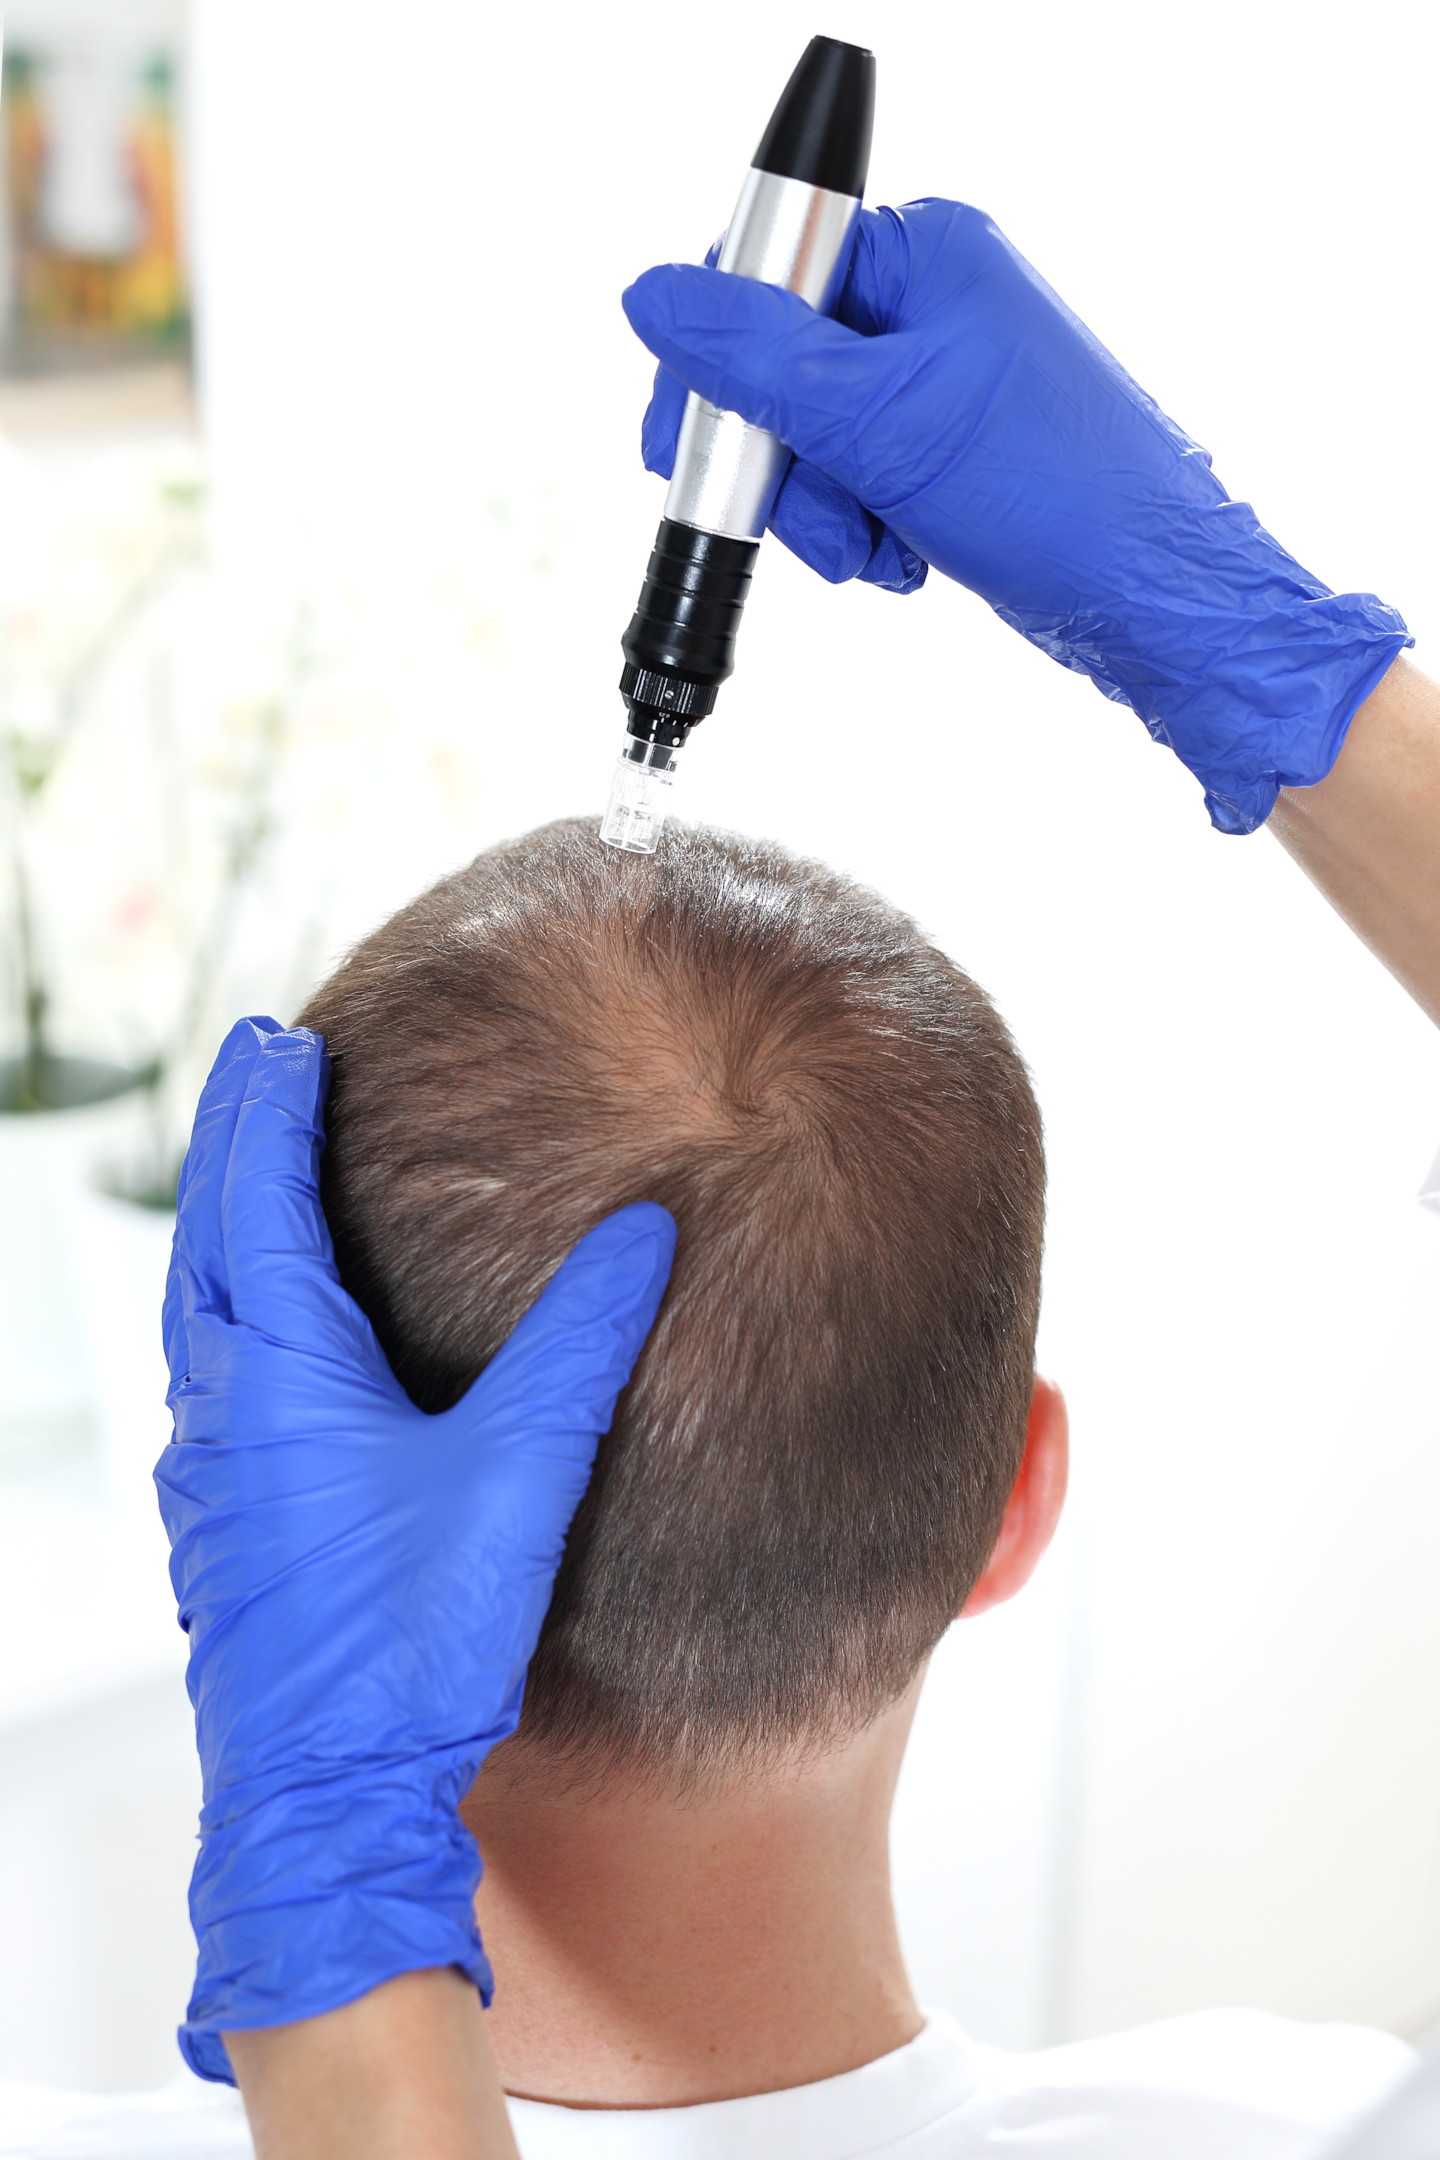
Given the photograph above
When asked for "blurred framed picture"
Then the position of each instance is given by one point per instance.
(92, 178)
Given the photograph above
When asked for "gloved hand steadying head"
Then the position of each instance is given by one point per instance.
(956, 412)
(362, 1585)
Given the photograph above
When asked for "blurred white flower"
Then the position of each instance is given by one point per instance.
(208, 783)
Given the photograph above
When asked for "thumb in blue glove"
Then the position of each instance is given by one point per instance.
(957, 412)
(362, 1585)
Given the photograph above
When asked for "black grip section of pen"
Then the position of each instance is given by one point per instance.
(680, 645)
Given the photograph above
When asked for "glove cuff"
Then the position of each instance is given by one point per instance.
(1301, 745)
(321, 1895)
(1266, 704)
(425, 1948)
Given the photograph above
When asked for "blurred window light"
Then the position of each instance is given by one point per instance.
(87, 198)
(95, 264)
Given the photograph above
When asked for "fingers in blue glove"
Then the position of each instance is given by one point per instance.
(278, 1255)
(253, 1246)
(561, 1371)
(660, 428)
(661, 425)
(815, 516)
(760, 351)
(197, 1275)
(822, 522)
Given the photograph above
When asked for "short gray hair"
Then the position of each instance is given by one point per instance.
(808, 1470)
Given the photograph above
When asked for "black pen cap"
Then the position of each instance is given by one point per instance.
(820, 130)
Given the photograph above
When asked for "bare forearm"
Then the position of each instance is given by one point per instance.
(405, 2073)
(1369, 833)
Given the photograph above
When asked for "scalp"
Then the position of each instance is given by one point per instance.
(809, 1465)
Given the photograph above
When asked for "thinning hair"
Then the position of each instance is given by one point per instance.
(807, 1472)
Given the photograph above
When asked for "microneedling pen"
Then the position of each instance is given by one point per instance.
(793, 226)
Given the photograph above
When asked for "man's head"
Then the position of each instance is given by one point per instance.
(808, 1471)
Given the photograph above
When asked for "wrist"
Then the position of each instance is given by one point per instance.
(404, 2070)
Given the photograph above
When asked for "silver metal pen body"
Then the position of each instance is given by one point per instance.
(784, 232)
(793, 227)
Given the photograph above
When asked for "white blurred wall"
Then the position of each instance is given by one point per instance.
(1202, 1762)
(97, 1821)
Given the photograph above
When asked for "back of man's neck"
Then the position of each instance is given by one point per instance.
(654, 1953)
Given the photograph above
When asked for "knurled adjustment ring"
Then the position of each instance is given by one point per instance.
(674, 695)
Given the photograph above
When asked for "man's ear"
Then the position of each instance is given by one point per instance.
(1033, 1509)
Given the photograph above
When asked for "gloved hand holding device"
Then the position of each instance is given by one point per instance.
(957, 413)
(362, 1585)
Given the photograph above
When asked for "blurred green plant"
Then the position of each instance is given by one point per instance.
(259, 735)
(59, 647)
(43, 709)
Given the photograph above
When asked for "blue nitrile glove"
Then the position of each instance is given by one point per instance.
(362, 1585)
(956, 412)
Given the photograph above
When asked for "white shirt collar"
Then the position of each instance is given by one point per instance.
(838, 2118)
